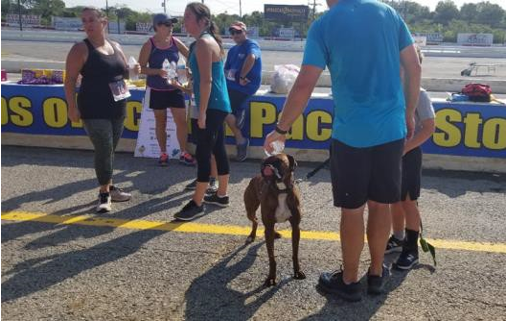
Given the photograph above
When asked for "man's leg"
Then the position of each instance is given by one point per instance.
(235, 121)
(350, 173)
(384, 189)
(412, 215)
(379, 226)
(231, 122)
(352, 242)
(398, 219)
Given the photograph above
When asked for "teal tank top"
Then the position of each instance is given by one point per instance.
(219, 97)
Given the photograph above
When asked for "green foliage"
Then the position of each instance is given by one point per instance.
(447, 19)
(445, 12)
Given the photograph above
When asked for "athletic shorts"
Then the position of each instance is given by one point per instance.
(411, 174)
(160, 99)
(362, 174)
(238, 106)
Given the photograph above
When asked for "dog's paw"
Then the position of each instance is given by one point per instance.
(249, 239)
(278, 235)
(270, 282)
(299, 275)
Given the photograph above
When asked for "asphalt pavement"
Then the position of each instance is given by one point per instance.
(45, 54)
(61, 261)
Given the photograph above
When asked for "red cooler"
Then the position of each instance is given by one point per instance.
(4, 75)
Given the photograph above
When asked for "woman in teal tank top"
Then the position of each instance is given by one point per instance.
(212, 99)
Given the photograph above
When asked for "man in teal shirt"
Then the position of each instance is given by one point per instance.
(363, 43)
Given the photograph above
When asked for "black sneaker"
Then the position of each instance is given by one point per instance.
(222, 201)
(190, 211)
(376, 283)
(332, 282)
(191, 186)
(393, 245)
(407, 259)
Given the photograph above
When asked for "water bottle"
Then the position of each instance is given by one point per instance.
(172, 71)
(132, 71)
(165, 66)
(278, 147)
(182, 74)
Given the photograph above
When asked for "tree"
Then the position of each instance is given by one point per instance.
(468, 12)
(490, 14)
(445, 12)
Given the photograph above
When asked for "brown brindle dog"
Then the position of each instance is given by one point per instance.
(274, 190)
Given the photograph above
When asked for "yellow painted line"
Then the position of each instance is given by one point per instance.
(188, 227)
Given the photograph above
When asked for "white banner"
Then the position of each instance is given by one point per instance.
(65, 23)
(420, 40)
(26, 19)
(147, 145)
(475, 39)
(143, 26)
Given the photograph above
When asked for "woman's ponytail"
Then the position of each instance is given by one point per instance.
(201, 11)
(215, 33)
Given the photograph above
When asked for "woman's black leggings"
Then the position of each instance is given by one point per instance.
(211, 140)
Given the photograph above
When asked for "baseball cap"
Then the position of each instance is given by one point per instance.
(160, 18)
(238, 25)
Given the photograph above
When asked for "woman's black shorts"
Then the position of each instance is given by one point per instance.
(160, 99)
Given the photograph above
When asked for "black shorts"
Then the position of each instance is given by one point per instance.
(238, 106)
(166, 99)
(362, 174)
(411, 174)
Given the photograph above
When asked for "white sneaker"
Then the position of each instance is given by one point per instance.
(118, 195)
(104, 204)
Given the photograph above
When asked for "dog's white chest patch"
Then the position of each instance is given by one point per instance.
(282, 213)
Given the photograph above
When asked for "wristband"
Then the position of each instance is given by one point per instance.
(280, 131)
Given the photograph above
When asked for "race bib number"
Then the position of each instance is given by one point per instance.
(119, 90)
(231, 74)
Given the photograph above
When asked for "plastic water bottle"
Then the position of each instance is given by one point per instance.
(166, 66)
(182, 74)
(173, 73)
(278, 147)
(132, 72)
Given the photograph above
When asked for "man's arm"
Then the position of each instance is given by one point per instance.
(296, 102)
(247, 65)
(412, 68)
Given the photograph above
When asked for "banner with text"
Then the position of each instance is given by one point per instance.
(462, 129)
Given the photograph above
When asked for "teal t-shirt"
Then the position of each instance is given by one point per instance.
(360, 43)
(219, 97)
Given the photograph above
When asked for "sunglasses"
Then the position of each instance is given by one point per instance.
(167, 24)
(235, 32)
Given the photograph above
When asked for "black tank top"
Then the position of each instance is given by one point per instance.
(95, 99)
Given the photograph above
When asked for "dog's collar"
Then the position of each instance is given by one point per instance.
(281, 187)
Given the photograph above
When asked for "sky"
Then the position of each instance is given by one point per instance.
(176, 7)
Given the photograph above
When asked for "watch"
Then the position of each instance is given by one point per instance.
(280, 131)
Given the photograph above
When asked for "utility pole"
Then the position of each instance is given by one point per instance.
(314, 10)
(164, 5)
(240, 14)
(19, 16)
(107, 15)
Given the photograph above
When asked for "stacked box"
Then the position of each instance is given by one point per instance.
(42, 76)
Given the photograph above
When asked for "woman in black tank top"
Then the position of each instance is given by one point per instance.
(101, 100)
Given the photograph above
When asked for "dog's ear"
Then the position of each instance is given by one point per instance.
(292, 163)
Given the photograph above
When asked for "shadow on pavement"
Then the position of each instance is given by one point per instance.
(39, 274)
(212, 297)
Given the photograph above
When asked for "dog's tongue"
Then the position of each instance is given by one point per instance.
(267, 171)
